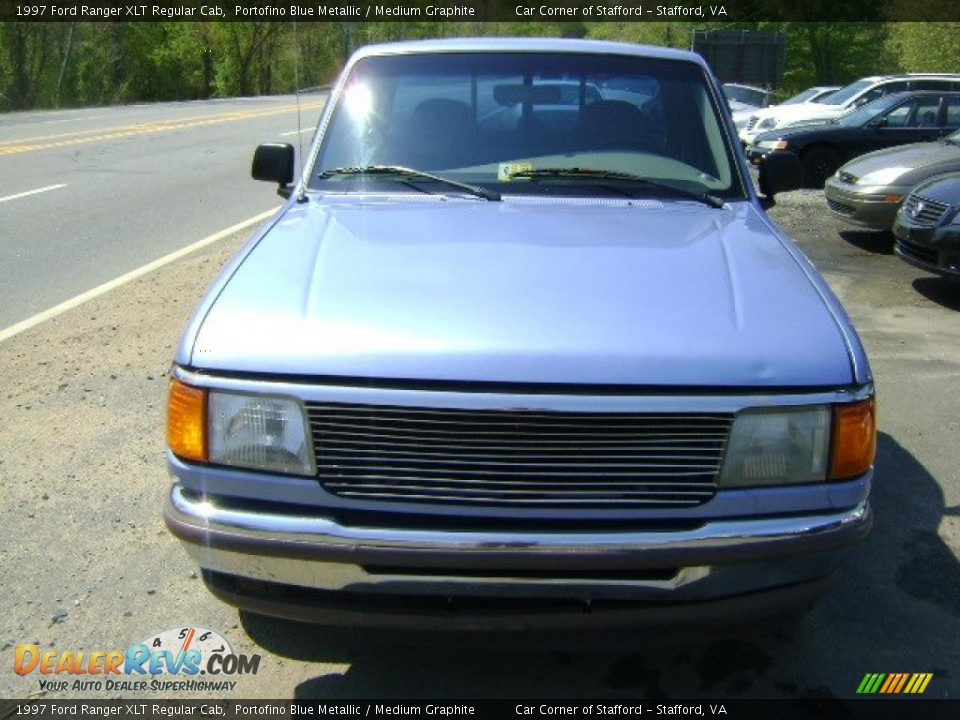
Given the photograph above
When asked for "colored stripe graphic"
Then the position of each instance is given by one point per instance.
(903, 679)
(891, 680)
(923, 679)
(894, 683)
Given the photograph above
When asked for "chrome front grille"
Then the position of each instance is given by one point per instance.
(752, 122)
(924, 212)
(518, 458)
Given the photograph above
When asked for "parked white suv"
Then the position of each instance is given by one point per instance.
(741, 118)
(848, 98)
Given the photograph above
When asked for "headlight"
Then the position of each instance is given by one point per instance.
(884, 176)
(780, 446)
(263, 432)
(772, 144)
(766, 124)
(806, 444)
(260, 432)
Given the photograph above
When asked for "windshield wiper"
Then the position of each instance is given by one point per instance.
(596, 174)
(410, 173)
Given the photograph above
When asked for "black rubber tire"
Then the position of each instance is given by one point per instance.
(819, 163)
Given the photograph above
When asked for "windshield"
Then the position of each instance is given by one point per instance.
(845, 93)
(750, 96)
(479, 118)
(866, 113)
(801, 97)
(815, 93)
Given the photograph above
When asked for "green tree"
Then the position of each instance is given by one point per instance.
(245, 48)
(926, 47)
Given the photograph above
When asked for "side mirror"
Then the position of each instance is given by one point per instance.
(274, 162)
(878, 123)
(780, 171)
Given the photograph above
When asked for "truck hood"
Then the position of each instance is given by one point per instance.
(528, 290)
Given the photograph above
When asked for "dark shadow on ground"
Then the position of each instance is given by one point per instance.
(943, 291)
(894, 607)
(873, 241)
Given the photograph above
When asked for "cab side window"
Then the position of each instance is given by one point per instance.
(953, 112)
(925, 113)
(868, 97)
(932, 84)
(894, 87)
(899, 116)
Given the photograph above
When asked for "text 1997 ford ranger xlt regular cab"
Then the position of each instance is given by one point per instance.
(521, 348)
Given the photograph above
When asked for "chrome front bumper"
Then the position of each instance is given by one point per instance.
(715, 559)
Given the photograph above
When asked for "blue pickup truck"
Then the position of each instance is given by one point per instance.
(521, 349)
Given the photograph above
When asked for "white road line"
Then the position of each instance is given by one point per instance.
(127, 277)
(297, 132)
(32, 192)
(75, 119)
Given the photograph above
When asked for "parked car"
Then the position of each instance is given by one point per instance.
(893, 120)
(476, 375)
(813, 94)
(845, 100)
(745, 120)
(869, 190)
(927, 228)
(744, 100)
(743, 96)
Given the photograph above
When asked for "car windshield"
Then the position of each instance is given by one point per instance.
(866, 113)
(814, 94)
(802, 96)
(845, 93)
(750, 96)
(821, 97)
(488, 119)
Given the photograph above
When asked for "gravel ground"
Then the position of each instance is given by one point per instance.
(87, 563)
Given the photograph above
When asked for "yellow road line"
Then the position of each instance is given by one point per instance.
(54, 141)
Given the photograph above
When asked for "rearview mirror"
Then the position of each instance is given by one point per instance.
(780, 171)
(274, 162)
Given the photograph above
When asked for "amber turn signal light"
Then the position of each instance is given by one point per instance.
(854, 439)
(187, 421)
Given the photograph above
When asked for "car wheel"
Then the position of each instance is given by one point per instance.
(819, 163)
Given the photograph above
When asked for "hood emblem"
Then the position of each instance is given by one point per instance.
(917, 209)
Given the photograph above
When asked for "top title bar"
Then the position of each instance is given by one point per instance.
(714, 11)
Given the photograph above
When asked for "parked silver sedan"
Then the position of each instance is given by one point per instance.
(869, 190)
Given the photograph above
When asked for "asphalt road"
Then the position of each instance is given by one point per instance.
(121, 186)
(87, 564)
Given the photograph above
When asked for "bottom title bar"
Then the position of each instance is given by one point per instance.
(728, 709)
